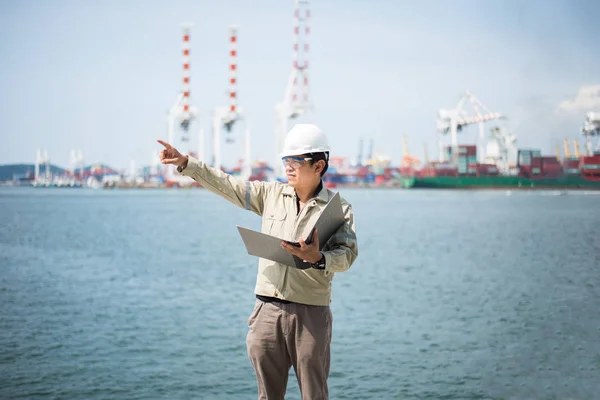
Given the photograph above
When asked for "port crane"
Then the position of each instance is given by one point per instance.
(42, 159)
(407, 161)
(227, 116)
(181, 113)
(590, 129)
(452, 121)
(295, 101)
(76, 162)
(499, 146)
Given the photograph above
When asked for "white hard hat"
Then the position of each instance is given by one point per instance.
(304, 139)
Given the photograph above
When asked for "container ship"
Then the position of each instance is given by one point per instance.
(461, 167)
(533, 171)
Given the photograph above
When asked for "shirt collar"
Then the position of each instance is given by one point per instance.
(321, 192)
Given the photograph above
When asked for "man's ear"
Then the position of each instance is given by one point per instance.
(320, 166)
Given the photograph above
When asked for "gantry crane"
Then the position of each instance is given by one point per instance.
(295, 101)
(591, 129)
(454, 120)
(227, 116)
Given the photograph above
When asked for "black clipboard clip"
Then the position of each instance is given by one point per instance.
(307, 241)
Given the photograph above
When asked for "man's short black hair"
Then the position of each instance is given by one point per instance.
(318, 157)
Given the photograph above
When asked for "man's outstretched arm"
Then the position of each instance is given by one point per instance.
(244, 194)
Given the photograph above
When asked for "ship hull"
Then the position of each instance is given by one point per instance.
(500, 182)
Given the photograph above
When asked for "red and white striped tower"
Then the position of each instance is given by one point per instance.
(300, 54)
(185, 106)
(233, 72)
(227, 115)
(181, 113)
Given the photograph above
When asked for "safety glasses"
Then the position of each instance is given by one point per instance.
(295, 162)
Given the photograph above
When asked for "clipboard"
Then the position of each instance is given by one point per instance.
(267, 246)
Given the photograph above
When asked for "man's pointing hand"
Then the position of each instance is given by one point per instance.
(170, 155)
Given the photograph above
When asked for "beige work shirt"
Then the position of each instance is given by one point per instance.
(276, 203)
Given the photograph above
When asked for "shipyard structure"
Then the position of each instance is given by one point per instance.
(494, 161)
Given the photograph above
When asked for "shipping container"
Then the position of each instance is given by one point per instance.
(486, 169)
(426, 172)
(552, 170)
(443, 166)
(407, 171)
(525, 170)
(595, 160)
(362, 172)
(590, 167)
(525, 156)
(462, 150)
(546, 161)
(572, 164)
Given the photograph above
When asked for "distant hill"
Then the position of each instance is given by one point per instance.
(11, 172)
(19, 171)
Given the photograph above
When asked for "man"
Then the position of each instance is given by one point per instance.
(291, 321)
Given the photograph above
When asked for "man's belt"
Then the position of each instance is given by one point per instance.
(268, 299)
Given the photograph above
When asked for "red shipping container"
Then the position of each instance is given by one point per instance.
(572, 164)
(443, 166)
(406, 171)
(547, 165)
(590, 160)
(487, 169)
(463, 150)
(556, 171)
(525, 170)
(362, 172)
(552, 167)
(551, 164)
(425, 172)
(550, 159)
(470, 150)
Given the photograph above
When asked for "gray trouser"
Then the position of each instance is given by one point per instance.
(284, 335)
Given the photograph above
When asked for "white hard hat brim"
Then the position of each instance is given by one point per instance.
(296, 153)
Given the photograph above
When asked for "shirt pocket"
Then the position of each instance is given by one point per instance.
(274, 223)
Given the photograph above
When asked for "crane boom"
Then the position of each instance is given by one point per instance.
(452, 121)
(477, 119)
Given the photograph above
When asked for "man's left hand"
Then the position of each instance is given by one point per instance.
(306, 252)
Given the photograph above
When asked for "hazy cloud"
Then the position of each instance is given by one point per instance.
(587, 99)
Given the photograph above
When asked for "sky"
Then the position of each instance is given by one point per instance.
(100, 76)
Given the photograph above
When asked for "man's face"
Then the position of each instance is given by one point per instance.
(300, 172)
